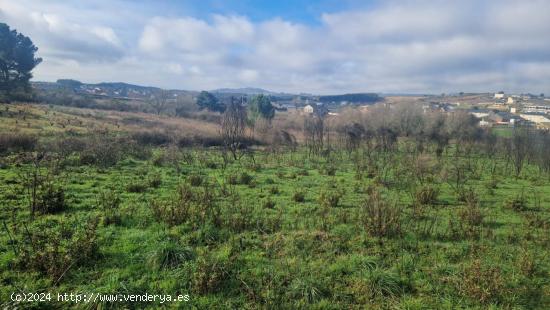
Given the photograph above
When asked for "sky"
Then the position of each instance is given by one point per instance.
(320, 47)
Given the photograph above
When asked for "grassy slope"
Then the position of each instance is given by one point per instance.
(299, 263)
(284, 256)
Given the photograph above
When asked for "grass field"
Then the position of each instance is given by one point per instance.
(365, 229)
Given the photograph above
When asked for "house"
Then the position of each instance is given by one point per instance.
(535, 118)
(308, 109)
(504, 118)
(541, 109)
(317, 108)
(499, 96)
(480, 113)
(510, 100)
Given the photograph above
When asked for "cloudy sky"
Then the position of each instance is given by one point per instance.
(324, 46)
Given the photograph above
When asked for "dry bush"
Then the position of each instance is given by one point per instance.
(109, 202)
(17, 142)
(137, 187)
(212, 273)
(195, 179)
(298, 196)
(155, 138)
(53, 247)
(482, 283)
(176, 211)
(426, 195)
(51, 199)
(517, 203)
(380, 218)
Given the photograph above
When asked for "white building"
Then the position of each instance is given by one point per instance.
(499, 96)
(510, 100)
(480, 114)
(308, 109)
(544, 109)
(537, 119)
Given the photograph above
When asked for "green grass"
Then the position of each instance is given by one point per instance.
(294, 254)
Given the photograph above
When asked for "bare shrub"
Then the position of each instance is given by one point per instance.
(482, 283)
(41, 183)
(517, 203)
(176, 211)
(298, 196)
(195, 179)
(53, 247)
(17, 142)
(380, 218)
(155, 138)
(109, 202)
(233, 128)
(426, 195)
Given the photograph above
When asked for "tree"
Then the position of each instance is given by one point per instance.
(16, 61)
(206, 100)
(159, 101)
(520, 147)
(260, 107)
(233, 127)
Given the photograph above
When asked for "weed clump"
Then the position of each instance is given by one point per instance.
(427, 195)
(53, 247)
(136, 187)
(481, 283)
(518, 203)
(269, 203)
(51, 200)
(109, 202)
(195, 179)
(298, 196)
(169, 254)
(380, 218)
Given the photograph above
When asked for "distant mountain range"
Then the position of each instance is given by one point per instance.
(108, 89)
(246, 91)
(125, 91)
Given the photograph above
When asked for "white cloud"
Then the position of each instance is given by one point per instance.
(402, 46)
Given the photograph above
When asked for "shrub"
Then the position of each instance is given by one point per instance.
(274, 190)
(169, 254)
(471, 215)
(57, 245)
(269, 204)
(381, 283)
(330, 170)
(17, 142)
(109, 202)
(176, 211)
(518, 203)
(104, 150)
(481, 283)
(379, 217)
(155, 138)
(232, 179)
(245, 178)
(427, 195)
(468, 196)
(51, 200)
(136, 187)
(298, 196)
(329, 199)
(211, 273)
(154, 180)
(195, 179)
